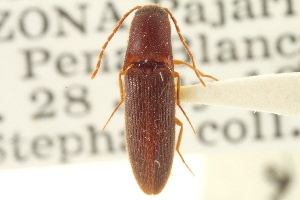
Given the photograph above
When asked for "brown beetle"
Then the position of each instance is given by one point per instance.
(150, 95)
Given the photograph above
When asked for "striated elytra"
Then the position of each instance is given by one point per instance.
(150, 94)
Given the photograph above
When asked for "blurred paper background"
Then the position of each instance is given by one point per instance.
(51, 113)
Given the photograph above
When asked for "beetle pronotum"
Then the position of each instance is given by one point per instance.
(150, 95)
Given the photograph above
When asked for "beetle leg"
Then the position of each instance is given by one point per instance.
(176, 74)
(121, 98)
(179, 123)
(198, 73)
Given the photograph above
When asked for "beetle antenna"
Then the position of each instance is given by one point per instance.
(185, 45)
(109, 38)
